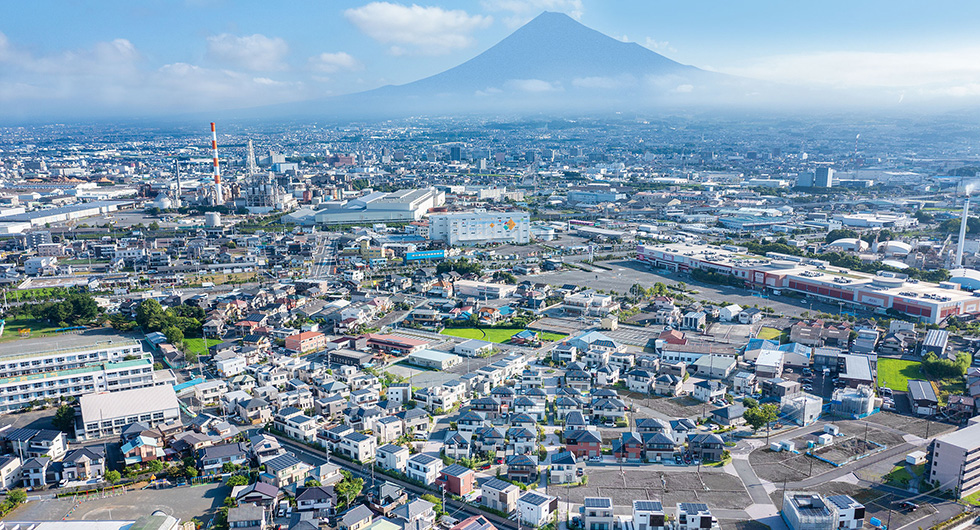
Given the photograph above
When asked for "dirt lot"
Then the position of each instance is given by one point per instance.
(723, 490)
(182, 502)
(846, 450)
(777, 467)
(919, 427)
(678, 407)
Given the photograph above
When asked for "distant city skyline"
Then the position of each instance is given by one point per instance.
(74, 59)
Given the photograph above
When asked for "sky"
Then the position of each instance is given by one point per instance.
(71, 58)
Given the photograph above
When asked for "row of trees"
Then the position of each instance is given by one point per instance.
(75, 309)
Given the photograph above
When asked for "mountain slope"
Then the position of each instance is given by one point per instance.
(555, 49)
(552, 63)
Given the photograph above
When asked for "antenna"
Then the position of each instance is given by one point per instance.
(218, 199)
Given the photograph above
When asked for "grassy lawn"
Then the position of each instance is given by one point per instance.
(197, 345)
(38, 329)
(898, 477)
(895, 373)
(498, 335)
(769, 333)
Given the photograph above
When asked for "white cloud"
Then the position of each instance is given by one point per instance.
(955, 70)
(658, 46)
(112, 78)
(252, 52)
(606, 83)
(329, 63)
(531, 85)
(524, 10)
(427, 30)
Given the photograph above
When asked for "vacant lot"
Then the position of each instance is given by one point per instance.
(919, 427)
(678, 407)
(785, 466)
(498, 335)
(843, 451)
(895, 373)
(197, 345)
(769, 333)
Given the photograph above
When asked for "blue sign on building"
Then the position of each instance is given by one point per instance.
(425, 254)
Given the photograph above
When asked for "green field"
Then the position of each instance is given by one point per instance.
(895, 373)
(197, 345)
(498, 335)
(38, 329)
(769, 333)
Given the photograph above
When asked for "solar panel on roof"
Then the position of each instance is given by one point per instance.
(652, 506)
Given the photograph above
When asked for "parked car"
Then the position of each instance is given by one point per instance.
(908, 506)
(807, 388)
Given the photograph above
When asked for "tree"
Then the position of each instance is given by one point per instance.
(174, 334)
(312, 482)
(112, 476)
(154, 226)
(434, 500)
(149, 314)
(229, 467)
(64, 419)
(349, 488)
(190, 471)
(237, 480)
(840, 233)
(155, 466)
(762, 415)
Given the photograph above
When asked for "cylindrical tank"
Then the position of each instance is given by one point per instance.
(212, 219)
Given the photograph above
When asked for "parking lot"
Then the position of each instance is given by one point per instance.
(183, 503)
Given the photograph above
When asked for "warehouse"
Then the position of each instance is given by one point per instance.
(434, 359)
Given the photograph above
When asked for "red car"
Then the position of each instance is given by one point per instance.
(485, 467)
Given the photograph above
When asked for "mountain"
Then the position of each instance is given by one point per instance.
(551, 63)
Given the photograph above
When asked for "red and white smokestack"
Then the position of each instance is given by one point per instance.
(218, 198)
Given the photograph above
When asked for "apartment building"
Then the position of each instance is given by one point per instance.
(954, 460)
(105, 414)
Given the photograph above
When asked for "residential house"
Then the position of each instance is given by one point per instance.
(707, 391)
(456, 479)
(418, 514)
(247, 516)
(667, 385)
(393, 457)
(83, 464)
(285, 470)
(597, 513)
(658, 446)
(424, 468)
(585, 443)
(321, 500)
(521, 441)
(708, 447)
(501, 496)
(694, 516)
(357, 518)
(639, 380)
(385, 497)
(212, 459)
(259, 493)
(564, 468)
(359, 447)
(457, 445)
(34, 472)
(10, 471)
(649, 515)
(536, 509)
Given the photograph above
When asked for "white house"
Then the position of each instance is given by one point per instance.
(536, 509)
(424, 468)
(393, 457)
(729, 313)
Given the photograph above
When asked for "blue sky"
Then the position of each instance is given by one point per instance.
(72, 57)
